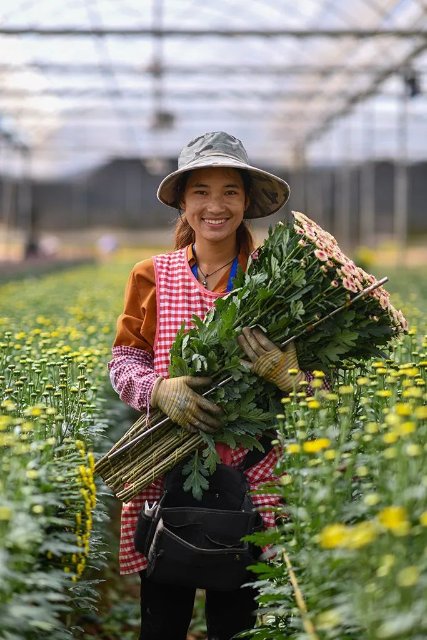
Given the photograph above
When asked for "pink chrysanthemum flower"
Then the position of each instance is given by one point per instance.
(347, 270)
(328, 237)
(339, 256)
(300, 217)
(352, 268)
(370, 278)
(349, 275)
(359, 285)
(349, 284)
(321, 255)
(320, 244)
(310, 234)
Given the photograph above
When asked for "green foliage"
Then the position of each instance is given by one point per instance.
(196, 476)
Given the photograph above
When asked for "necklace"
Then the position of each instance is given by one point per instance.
(205, 276)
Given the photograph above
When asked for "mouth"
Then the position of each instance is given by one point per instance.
(214, 221)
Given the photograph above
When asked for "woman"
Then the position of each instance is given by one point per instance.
(215, 189)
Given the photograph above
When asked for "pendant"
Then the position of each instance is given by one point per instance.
(204, 283)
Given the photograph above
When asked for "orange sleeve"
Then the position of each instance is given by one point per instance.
(136, 326)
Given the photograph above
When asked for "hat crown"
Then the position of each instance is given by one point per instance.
(216, 143)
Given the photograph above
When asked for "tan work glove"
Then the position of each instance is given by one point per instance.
(268, 361)
(176, 398)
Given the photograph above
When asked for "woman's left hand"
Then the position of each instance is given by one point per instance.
(268, 361)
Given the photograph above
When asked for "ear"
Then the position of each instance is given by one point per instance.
(247, 202)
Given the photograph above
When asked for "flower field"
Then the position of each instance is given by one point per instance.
(55, 340)
(351, 551)
(350, 555)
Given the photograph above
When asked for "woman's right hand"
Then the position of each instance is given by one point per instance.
(177, 399)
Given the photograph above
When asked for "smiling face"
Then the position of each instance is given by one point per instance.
(214, 202)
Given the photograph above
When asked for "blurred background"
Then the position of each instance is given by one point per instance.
(98, 97)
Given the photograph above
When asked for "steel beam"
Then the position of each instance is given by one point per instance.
(134, 70)
(221, 33)
(71, 68)
(203, 94)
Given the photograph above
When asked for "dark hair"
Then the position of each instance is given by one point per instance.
(184, 234)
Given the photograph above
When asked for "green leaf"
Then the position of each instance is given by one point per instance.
(196, 481)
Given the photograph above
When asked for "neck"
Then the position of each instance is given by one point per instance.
(213, 254)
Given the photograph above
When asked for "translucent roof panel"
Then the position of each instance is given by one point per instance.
(92, 79)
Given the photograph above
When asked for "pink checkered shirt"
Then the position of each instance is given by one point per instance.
(133, 372)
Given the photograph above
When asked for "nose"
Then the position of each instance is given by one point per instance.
(216, 203)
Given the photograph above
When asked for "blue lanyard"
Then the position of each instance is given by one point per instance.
(232, 275)
(233, 271)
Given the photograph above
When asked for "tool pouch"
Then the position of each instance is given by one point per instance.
(199, 543)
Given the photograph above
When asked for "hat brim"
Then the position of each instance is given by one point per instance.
(268, 192)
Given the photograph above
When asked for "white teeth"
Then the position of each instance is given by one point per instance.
(214, 221)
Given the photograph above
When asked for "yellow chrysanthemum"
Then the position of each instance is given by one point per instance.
(391, 437)
(371, 499)
(5, 513)
(314, 446)
(421, 413)
(405, 429)
(413, 450)
(412, 392)
(330, 454)
(383, 393)
(372, 427)
(332, 397)
(362, 471)
(395, 519)
(387, 562)
(360, 535)
(318, 374)
(293, 448)
(403, 409)
(333, 535)
(408, 577)
(345, 390)
(378, 364)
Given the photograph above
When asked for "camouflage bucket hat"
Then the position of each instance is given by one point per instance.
(219, 149)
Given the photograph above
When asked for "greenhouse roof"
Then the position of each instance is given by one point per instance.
(317, 80)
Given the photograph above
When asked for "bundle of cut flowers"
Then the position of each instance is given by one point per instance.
(298, 276)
